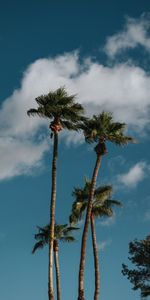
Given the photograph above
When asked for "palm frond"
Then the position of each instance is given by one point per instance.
(102, 193)
(73, 219)
(114, 202)
(73, 113)
(68, 239)
(70, 229)
(103, 126)
(56, 97)
(38, 245)
(120, 139)
(62, 232)
(69, 125)
(78, 209)
(104, 189)
(103, 210)
(40, 112)
(102, 203)
(59, 230)
(59, 105)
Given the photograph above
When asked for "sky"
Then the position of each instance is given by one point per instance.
(99, 50)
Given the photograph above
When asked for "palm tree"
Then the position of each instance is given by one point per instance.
(101, 206)
(61, 108)
(99, 129)
(61, 233)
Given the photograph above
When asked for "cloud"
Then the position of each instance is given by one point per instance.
(122, 89)
(20, 157)
(108, 221)
(135, 174)
(103, 244)
(135, 33)
(20, 151)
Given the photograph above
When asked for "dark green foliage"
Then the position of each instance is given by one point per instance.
(62, 233)
(140, 256)
(58, 105)
(102, 128)
(102, 203)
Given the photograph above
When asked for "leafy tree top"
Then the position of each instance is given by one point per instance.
(61, 232)
(61, 108)
(101, 206)
(140, 256)
(101, 128)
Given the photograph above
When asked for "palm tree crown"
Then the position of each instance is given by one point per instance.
(101, 206)
(61, 232)
(63, 112)
(102, 128)
(61, 108)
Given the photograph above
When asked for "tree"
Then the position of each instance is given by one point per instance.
(100, 129)
(101, 206)
(61, 233)
(139, 251)
(61, 108)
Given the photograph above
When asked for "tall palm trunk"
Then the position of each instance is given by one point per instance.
(56, 248)
(52, 218)
(96, 261)
(85, 230)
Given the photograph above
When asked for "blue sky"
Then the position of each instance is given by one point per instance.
(100, 51)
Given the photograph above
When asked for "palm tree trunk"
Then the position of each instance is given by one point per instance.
(96, 261)
(85, 230)
(57, 269)
(52, 218)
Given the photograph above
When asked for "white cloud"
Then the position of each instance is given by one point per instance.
(40, 77)
(19, 157)
(20, 151)
(122, 89)
(73, 138)
(108, 221)
(103, 244)
(135, 33)
(136, 174)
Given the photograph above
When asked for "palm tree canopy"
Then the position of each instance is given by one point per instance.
(60, 107)
(62, 233)
(101, 206)
(102, 127)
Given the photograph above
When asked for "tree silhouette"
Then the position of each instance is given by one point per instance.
(100, 128)
(140, 256)
(64, 113)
